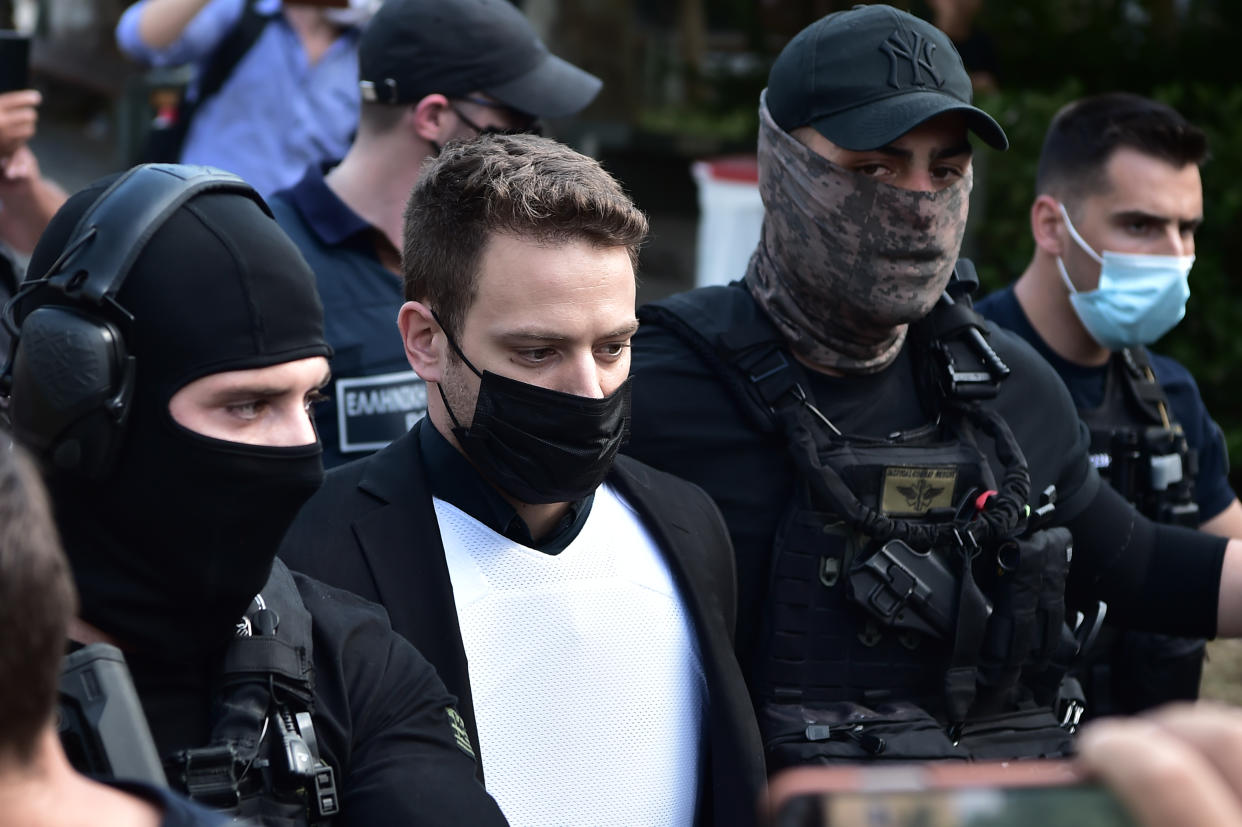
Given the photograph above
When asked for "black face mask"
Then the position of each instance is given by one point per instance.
(176, 545)
(541, 445)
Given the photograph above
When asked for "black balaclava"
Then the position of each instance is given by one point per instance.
(169, 550)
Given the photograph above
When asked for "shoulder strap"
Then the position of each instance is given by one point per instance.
(964, 281)
(236, 44)
(965, 367)
(733, 336)
(283, 650)
(1140, 382)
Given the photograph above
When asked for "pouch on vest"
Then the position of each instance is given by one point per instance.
(1027, 625)
(845, 732)
(1029, 733)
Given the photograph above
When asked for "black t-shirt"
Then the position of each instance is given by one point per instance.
(688, 422)
(381, 718)
(1213, 492)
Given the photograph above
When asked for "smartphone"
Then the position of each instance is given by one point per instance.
(14, 61)
(985, 794)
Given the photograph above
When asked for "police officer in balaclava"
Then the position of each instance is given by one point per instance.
(173, 482)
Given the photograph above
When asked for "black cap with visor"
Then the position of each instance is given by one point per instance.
(414, 48)
(865, 77)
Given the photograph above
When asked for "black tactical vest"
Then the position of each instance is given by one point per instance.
(1139, 447)
(1141, 450)
(263, 760)
(910, 613)
(817, 646)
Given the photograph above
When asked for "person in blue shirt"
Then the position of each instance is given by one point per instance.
(291, 100)
(1119, 199)
(431, 71)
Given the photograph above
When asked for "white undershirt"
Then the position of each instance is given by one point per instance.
(588, 687)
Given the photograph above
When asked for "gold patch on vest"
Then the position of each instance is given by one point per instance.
(910, 492)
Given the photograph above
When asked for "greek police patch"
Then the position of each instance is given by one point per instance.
(460, 735)
(372, 411)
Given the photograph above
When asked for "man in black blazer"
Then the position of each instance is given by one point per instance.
(581, 605)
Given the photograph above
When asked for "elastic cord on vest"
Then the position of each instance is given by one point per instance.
(999, 518)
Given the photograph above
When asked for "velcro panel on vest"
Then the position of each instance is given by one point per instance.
(261, 655)
(287, 658)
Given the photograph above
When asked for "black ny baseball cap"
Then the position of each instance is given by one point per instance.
(414, 48)
(865, 77)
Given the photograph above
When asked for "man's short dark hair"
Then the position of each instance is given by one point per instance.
(1086, 133)
(379, 118)
(524, 186)
(37, 600)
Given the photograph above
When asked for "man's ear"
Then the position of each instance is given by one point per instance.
(1048, 225)
(431, 119)
(424, 341)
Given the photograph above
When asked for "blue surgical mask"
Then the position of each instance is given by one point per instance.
(1139, 298)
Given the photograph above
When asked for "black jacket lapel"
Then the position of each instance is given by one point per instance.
(401, 543)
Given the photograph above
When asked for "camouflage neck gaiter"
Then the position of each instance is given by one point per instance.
(845, 262)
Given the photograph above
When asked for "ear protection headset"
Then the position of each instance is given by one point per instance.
(70, 380)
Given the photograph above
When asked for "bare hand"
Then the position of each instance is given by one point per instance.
(18, 116)
(20, 167)
(1180, 766)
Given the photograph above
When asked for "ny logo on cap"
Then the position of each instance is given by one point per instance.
(916, 49)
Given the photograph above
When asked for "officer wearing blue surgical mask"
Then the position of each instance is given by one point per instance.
(1138, 297)
(1118, 201)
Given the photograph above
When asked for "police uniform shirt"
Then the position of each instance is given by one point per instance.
(1086, 386)
(374, 397)
(688, 422)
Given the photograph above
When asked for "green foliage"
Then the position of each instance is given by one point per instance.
(1207, 341)
(1134, 45)
(734, 126)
